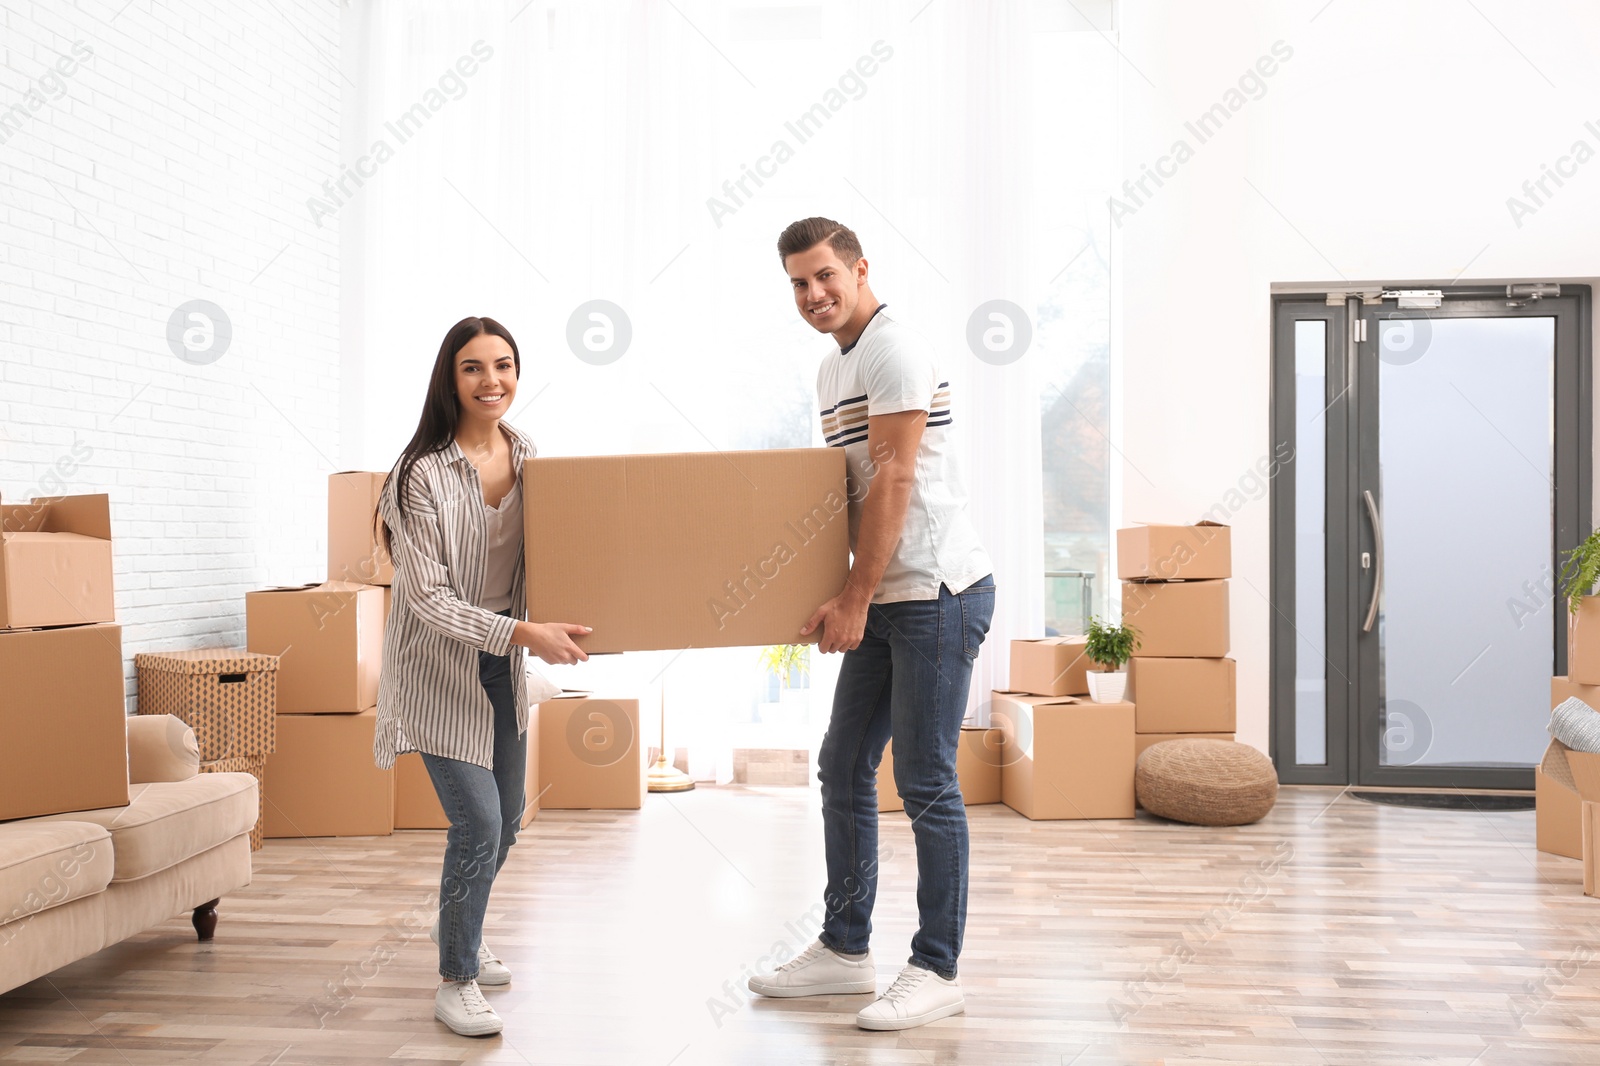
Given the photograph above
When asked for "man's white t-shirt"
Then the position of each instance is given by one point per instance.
(890, 369)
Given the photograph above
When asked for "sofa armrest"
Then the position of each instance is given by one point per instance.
(161, 748)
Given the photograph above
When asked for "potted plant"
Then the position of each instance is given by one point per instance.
(1111, 647)
(1580, 571)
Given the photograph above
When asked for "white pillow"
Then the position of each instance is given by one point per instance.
(1576, 724)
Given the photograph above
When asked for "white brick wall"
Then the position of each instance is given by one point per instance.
(173, 164)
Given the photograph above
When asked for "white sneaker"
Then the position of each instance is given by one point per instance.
(818, 971)
(462, 1007)
(491, 971)
(917, 997)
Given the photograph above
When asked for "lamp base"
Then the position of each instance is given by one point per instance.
(664, 777)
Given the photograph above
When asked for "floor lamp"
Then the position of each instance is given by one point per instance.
(664, 777)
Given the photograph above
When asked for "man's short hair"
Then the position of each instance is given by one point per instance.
(810, 232)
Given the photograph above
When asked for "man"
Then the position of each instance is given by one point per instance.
(910, 619)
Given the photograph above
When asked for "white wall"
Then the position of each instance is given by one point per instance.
(1383, 149)
(172, 164)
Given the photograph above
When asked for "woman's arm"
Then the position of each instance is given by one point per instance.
(418, 549)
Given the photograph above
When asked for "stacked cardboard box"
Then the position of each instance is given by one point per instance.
(328, 637)
(228, 697)
(1062, 756)
(590, 754)
(1175, 593)
(63, 734)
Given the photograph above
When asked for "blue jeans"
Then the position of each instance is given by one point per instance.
(485, 812)
(908, 678)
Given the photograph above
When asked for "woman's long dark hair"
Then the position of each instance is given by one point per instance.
(441, 412)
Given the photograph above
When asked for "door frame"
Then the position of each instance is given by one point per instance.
(1352, 336)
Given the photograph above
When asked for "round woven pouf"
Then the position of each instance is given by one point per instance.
(1206, 782)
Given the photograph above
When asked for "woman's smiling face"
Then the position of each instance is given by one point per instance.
(486, 377)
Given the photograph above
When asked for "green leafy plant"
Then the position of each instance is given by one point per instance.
(784, 659)
(1580, 570)
(1111, 646)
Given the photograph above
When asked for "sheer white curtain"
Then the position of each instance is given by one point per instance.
(649, 154)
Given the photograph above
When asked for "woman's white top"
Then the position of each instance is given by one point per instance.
(503, 529)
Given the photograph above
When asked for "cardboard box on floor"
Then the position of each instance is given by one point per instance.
(1558, 809)
(63, 723)
(1584, 767)
(1065, 758)
(591, 754)
(322, 782)
(688, 550)
(55, 562)
(355, 549)
(329, 643)
(1182, 695)
(977, 770)
(416, 802)
(1178, 619)
(1051, 666)
(1154, 552)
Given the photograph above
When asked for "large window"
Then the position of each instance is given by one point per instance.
(610, 181)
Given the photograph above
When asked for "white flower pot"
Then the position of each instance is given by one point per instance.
(1107, 687)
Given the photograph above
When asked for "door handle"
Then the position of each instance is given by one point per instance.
(1377, 553)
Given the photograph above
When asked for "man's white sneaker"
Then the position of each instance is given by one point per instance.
(917, 997)
(818, 971)
(462, 1007)
(491, 971)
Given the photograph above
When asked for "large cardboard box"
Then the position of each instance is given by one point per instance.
(1051, 666)
(1585, 768)
(416, 802)
(1063, 758)
(1151, 552)
(63, 724)
(322, 781)
(1178, 619)
(227, 696)
(1182, 695)
(55, 562)
(1583, 641)
(1143, 741)
(329, 643)
(591, 754)
(690, 550)
(977, 770)
(1558, 810)
(355, 548)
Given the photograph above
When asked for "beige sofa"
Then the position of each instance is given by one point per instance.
(71, 884)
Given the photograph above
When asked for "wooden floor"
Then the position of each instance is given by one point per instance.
(1336, 931)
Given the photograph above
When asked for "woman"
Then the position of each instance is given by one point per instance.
(452, 685)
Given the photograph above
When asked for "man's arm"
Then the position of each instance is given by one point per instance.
(892, 443)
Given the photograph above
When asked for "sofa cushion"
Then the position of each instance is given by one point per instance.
(46, 864)
(165, 822)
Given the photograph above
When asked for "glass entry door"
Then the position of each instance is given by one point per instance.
(1440, 464)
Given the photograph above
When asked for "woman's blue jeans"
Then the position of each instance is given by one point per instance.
(909, 678)
(485, 812)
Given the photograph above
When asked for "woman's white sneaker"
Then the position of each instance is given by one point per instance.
(917, 997)
(462, 1007)
(491, 971)
(818, 971)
